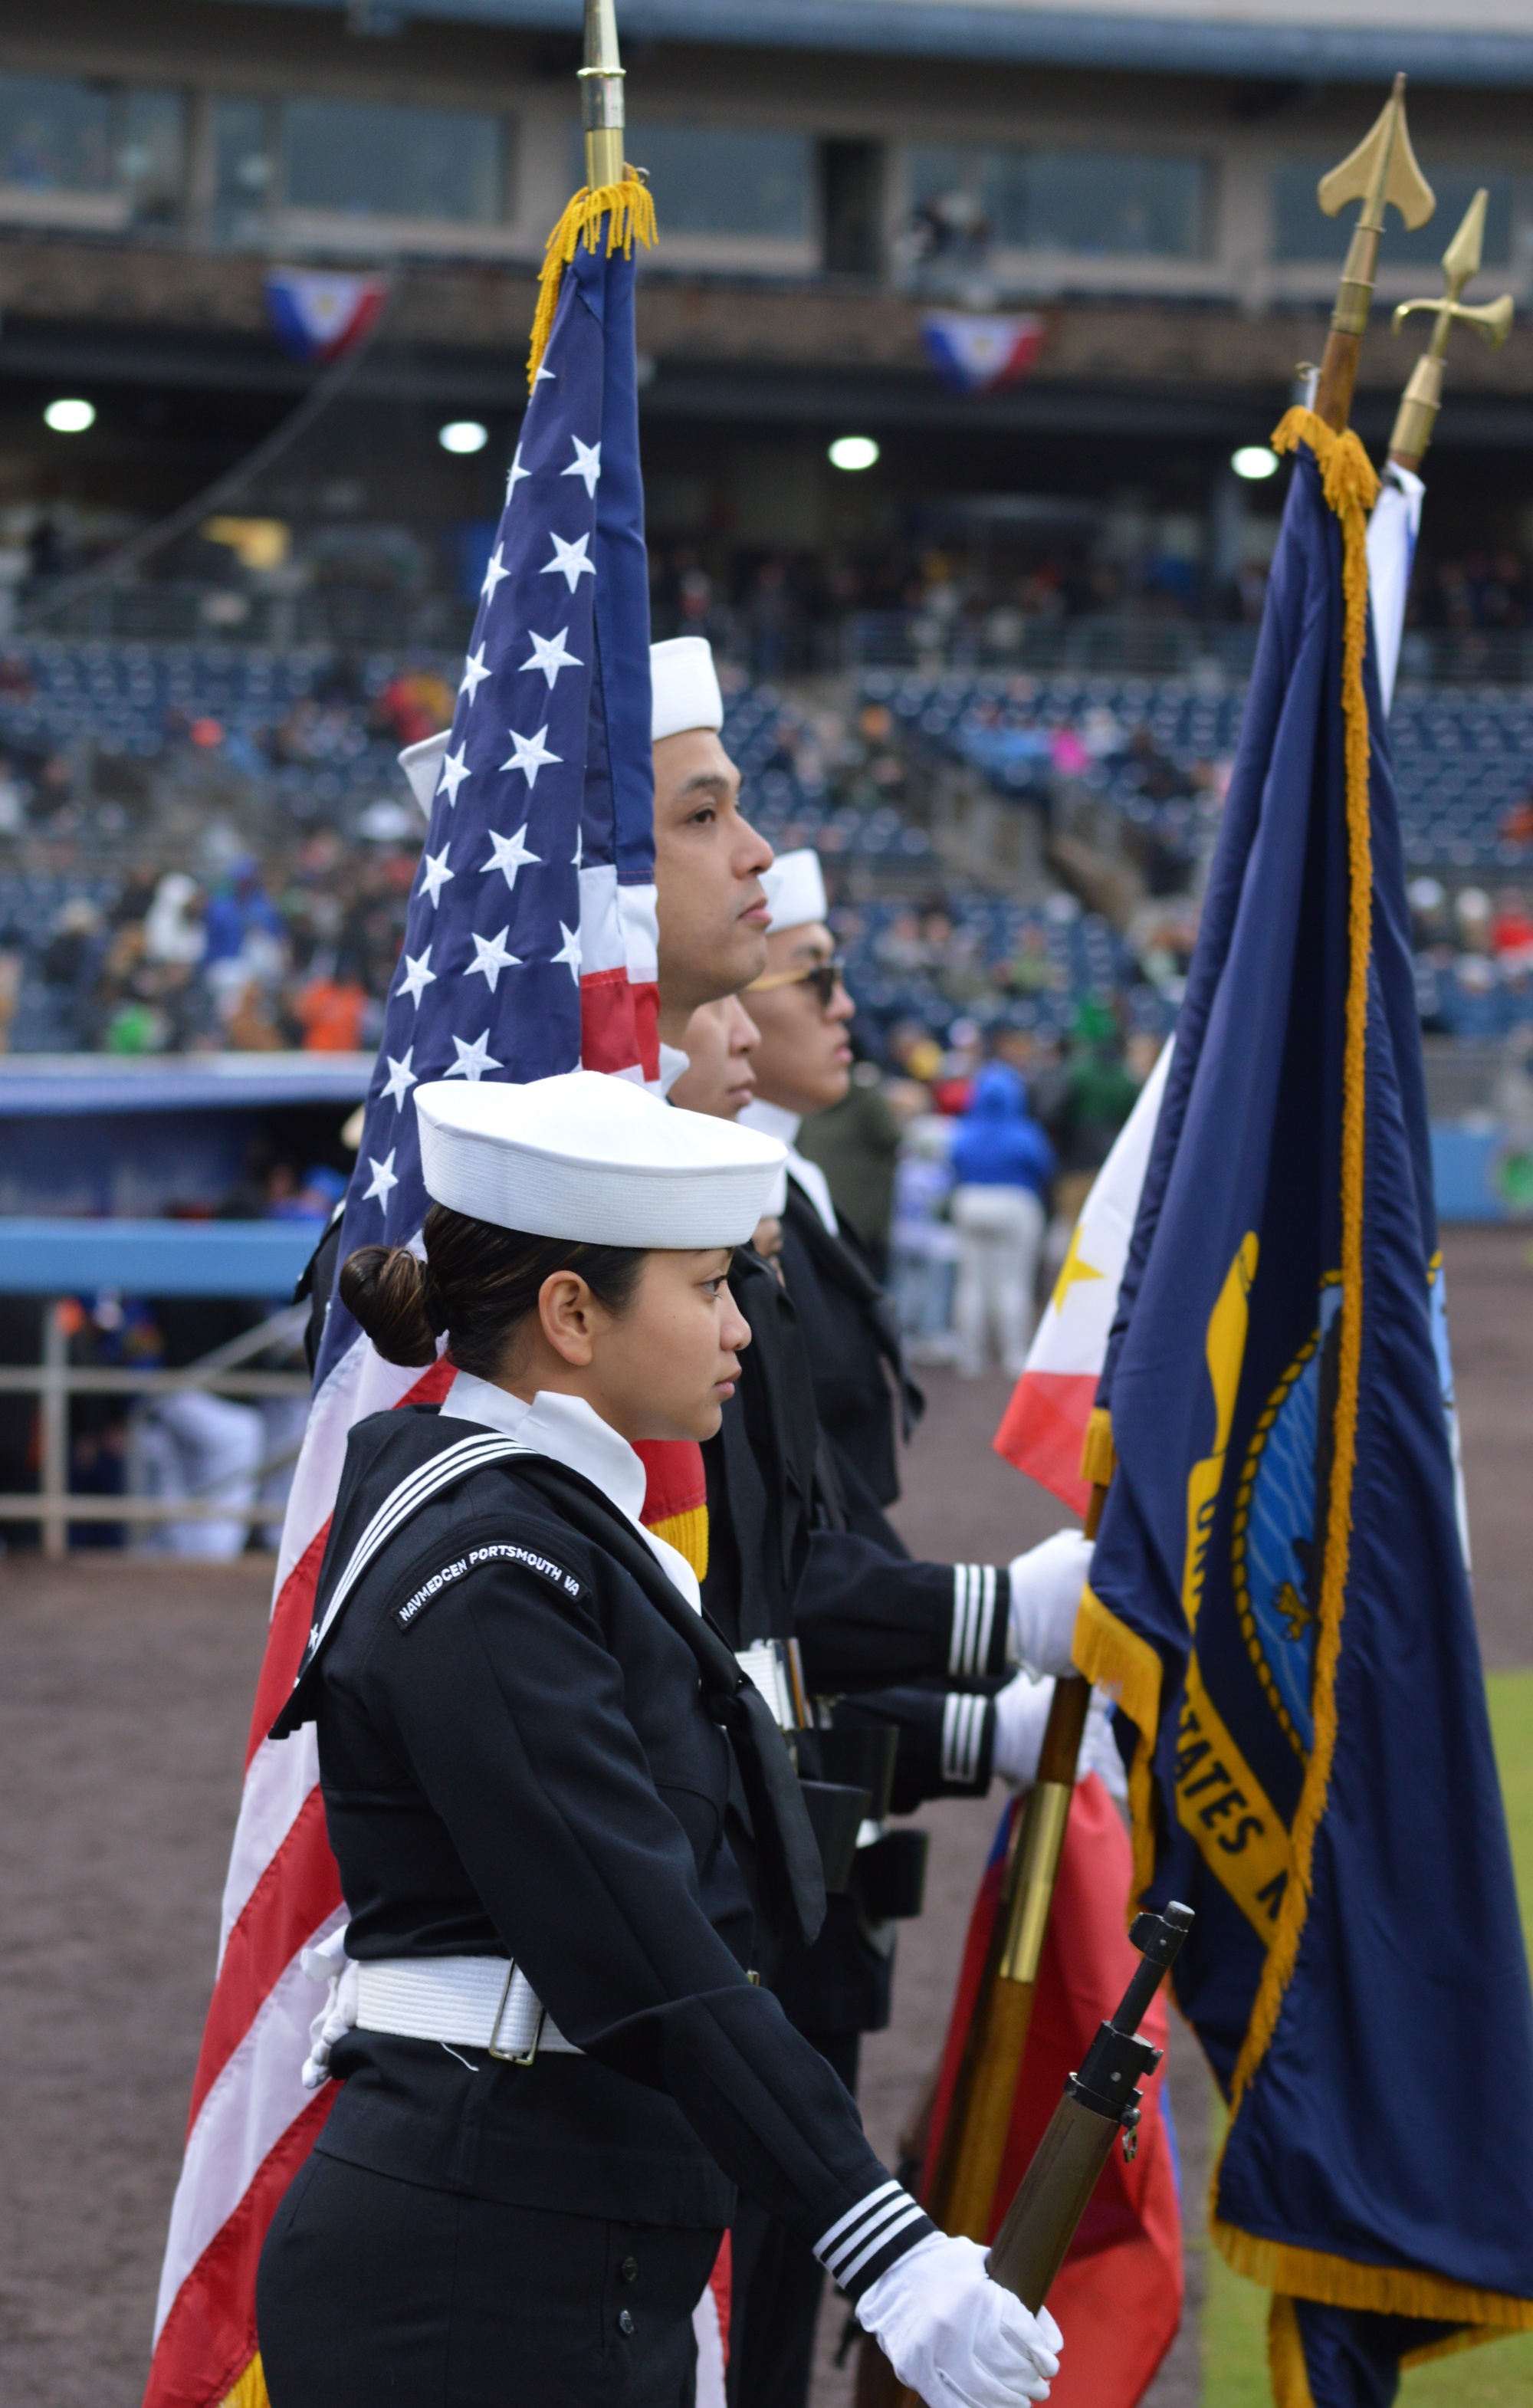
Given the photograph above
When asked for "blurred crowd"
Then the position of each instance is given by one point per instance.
(964, 1166)
(248, 958)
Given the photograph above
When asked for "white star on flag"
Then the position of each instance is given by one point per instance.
(474, 674)
(510, 854)
(494, 571)
(435, 874)
(419, 975)
(569, 561)
(545, 375)
(530, 753)
(473, 1060)
(517, 473)
(401, 1077)
(569, 952)
(586, 464)
(490, 955)
(455, 769)
(385, 1178)
(549, 655)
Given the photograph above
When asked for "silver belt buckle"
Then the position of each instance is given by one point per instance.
(510, 2056)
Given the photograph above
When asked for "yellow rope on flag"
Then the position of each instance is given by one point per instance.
(1099, 1460)
(1285, 2355)
(1351, 487)
(629, 210)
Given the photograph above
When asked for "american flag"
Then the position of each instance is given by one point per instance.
(530, 948)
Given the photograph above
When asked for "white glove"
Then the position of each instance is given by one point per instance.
(1022, 1710)
(1046, 1585)
(953, 2335)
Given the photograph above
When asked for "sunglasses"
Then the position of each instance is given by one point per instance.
(825, 978)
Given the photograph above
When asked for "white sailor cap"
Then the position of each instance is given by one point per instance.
(594, 1160)
(684, 687)
(795, 890)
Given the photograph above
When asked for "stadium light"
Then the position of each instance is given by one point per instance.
(1255, 462)
(69, 417)
(463, 434)
(853, 451)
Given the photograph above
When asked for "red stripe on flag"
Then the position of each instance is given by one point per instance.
(208, 2337)
(287, 1634)
(676, 1479)
(1119, 2288)
(609, 1025)
(1043, 1428)
(299, 1887)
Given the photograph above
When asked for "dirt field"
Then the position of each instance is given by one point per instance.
(124, 1692)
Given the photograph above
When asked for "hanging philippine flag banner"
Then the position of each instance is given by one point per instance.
(974, 355)
(317, 315)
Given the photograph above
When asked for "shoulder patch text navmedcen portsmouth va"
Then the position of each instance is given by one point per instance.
(495, 1551)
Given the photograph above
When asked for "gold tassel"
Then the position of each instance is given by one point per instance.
(1099, 1460)
(629, 210)
(251, 2390)
(1285, 2355)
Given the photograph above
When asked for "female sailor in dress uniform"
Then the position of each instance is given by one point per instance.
(562, 1817)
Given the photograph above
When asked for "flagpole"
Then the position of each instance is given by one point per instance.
(1423, 397)
(600, 79)
(1381, 169)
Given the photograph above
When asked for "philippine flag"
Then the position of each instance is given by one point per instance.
(974, 355)
(317, 315)
(1046, 1420)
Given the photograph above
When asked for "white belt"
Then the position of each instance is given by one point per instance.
(466, 2002)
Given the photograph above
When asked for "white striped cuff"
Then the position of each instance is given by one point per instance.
(973, 1618)
(963, 1737)
(865, 2241)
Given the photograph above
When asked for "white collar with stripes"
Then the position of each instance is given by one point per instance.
(568, 1431)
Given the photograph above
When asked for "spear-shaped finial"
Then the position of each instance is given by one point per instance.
(1381, 170)
(601, 95)
(1423, 397)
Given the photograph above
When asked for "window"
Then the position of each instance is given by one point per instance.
(355, 159)
(369, 159)
(1301, 229)
(78, 140)
(1106, 204)
(717, 179)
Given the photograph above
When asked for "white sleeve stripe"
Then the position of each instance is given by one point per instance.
(912, 2214)
(987, 1616)
(959, 1647)
(963, 1730)
(853, 2215)
(872, 2234)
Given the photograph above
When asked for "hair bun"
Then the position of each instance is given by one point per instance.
(383, 1289)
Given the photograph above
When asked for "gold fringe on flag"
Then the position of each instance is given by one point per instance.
(251, 2390)
(629, 210)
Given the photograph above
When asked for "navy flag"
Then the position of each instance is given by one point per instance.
(1280, 1588)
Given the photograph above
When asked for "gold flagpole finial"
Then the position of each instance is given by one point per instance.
(1383, 169)
(601, 96)
(1423, 397)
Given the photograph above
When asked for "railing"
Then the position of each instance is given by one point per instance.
(60, 1259)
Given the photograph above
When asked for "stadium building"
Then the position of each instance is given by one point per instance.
(1056, 264)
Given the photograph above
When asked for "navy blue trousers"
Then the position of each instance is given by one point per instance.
(379, 2290)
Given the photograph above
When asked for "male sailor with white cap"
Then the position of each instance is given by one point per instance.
(554, 2065)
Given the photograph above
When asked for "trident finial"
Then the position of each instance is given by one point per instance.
(601, 95)
(1383, 169)
(1423, 397)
